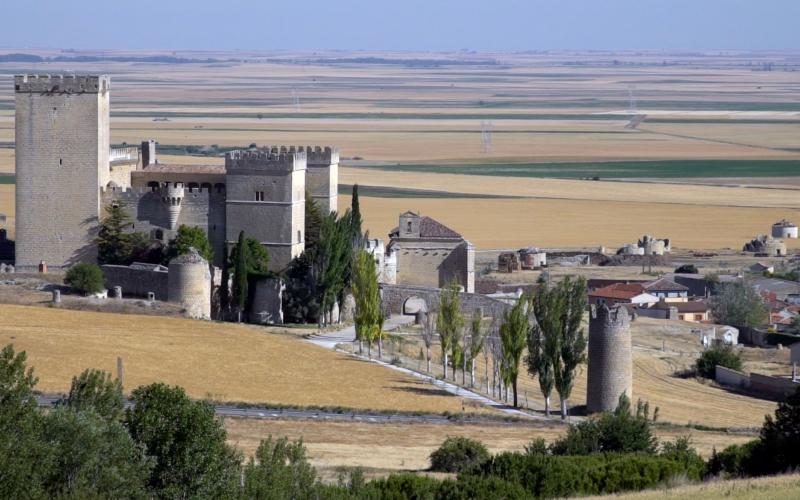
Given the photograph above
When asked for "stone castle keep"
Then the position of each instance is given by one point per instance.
(67, 173)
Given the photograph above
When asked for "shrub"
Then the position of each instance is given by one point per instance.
(733, 461)
(686, 269)
(620, 431)
(723, 355)
(457, 454)
(86, 278)
(561, 476)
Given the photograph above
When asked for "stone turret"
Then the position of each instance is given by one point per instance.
(610, 365)
(190, 284)
(172, 198)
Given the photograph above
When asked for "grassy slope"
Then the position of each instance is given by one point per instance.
(773, 488)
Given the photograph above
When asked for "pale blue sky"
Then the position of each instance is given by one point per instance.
(402, 24)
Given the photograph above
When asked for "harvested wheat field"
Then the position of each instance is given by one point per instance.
(389, 447)
(225, 362)
(515, 223)
(772, 488)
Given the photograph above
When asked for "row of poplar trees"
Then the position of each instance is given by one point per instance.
(542, 333)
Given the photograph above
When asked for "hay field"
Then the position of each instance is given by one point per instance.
(514, 223)
(221, 361)
(7, 208)
(773, 488)
(393, 447)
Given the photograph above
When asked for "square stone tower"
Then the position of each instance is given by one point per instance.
(322, 176)
(62, 147)
(266, 199)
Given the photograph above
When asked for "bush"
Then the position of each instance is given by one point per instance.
(686, 269)
(733, 461)
(86, 278)
(620, 432)
(457, 454)
(723, 355)
(562, 476)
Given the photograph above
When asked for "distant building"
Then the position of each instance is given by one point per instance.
(668, 290)
(784, 229)
(621, 293)
(428, 253)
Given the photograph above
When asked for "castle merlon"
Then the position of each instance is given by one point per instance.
(62, 84)
(273, 160)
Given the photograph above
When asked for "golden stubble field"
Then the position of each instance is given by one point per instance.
(391, 447)
(221, 361)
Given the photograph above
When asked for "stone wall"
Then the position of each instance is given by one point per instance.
(731, 378)
(137, 282)
(276, 218)
(394, 298)
(190, 284)
(267, 306)
(62, 146)
(433, 264)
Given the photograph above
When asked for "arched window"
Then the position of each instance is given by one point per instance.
(219, 187)
(153, 185)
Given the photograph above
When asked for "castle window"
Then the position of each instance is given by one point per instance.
(408, 227)
(153, 186)
(299, 237)
(158, 234)
(60, 162)
(259, 195)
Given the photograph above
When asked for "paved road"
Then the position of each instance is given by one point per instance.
(348, 335)
(267, 413)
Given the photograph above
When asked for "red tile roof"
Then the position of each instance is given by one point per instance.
(665, 284)
(620, 291)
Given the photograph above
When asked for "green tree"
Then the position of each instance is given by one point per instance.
(572, 341)
(224, 289)
(686, 269)
(739, 304)
(368, 314)
(240, 275)
(513, 337)
(543, 345)
(313, 222)
(94, 457)
(449, 320)
(96, 390)
(186, 441)
(24, 456)
(477, 339)
(189, 237)
(116, 244)
(458, 454)
(355, 210)
(329, 261)
(84, 277)
(280, 469)
(722, 355)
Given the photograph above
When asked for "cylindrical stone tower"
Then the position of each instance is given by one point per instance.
(610, 365)
(190, 284)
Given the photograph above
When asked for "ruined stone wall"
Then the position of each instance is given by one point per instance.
(137, 282)
(62, 147)
(610, 371)
(267, 306)
(276, 218)
(434, 263)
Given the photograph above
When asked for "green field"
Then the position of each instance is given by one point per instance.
(6, 179)
(615, 169)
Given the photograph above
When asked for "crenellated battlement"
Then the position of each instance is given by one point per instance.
(612, 319)
(280, 159)
(62, 84)
(316, 156)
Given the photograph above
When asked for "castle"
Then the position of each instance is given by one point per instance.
(66, 173)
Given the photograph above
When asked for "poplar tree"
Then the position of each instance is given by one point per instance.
(513, 336)
(572, 341)
(543, 340)
(368, 315)
(449, 321)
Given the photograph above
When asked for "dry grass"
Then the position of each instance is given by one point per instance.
(7, 208)
(391, 447)
(514, 223)
(773, 488)
(221, 361)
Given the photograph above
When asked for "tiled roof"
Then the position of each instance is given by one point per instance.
(620, 291)
(665, 284)
(430, 228)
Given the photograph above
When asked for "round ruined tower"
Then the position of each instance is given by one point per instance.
(190, 284)
(610, 365)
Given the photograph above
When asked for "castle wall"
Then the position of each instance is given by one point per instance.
(62, 147)
(201, 208)
(189, 284)
(395, 297)
(137, 282)
(610, 371)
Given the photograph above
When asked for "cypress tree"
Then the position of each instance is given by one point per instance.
(240, 274)
(355, 211)
(224, 290)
